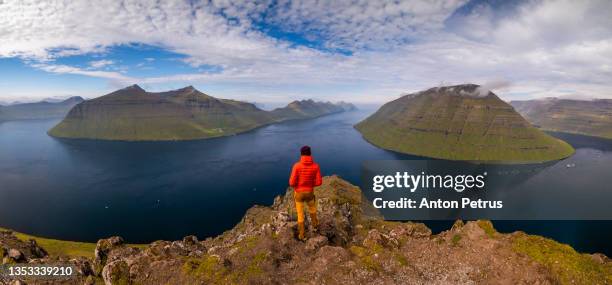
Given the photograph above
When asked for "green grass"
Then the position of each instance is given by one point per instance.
(366, 257)
(488, 228)
(208, 267)
(65, 248)
(446, 126)
(567, 265)
(402, 260)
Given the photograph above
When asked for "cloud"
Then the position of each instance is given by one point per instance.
(484, 89)
(100, 63)
(543, 47)
(116, 77)
(354, 25)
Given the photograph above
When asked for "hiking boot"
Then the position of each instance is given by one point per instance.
(301, 231)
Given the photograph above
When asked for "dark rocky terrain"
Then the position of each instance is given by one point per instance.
(460, 123)
(39, 110)
(133, 114)
(353, 246)
(591, 118)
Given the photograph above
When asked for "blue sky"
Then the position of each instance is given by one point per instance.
(276, 51)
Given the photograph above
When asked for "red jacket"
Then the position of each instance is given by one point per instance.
(305, 175)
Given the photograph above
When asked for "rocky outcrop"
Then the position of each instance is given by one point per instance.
(16, 251)
(353, 246)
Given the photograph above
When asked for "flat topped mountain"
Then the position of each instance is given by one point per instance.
(460, 123)
(134, 114)
(593, 117)
(38, 110)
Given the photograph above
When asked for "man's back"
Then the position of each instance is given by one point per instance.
(305, 175)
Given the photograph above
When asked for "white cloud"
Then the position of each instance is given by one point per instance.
(542, 47)
(349, 25)
(96, 64)
(65, 69)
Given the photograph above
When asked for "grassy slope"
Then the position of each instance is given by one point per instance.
(138, 115)
(460, 128)
(151, 129)
(64, 248)
(567, 265)
(592, 118)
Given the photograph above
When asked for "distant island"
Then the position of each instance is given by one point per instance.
(38, 110)
(306, 109)
(133, 114)
(585, 117)
(460, 122)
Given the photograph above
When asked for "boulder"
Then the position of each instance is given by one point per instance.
(316, 242)
(36, 250)
(16, 255)
(103, 248)
(376, 238)
(116, 272)
(190, 240)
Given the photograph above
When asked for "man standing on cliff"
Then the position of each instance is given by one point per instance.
(305, 175)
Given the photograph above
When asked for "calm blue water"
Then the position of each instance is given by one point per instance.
(86, 190)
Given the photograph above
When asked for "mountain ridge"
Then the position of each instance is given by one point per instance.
(38, 110)
(301, 109)
(585, 117)
(133, 114)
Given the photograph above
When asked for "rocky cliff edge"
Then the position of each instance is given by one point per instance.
(353, 246)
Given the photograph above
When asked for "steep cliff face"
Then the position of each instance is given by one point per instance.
(39, 110)
(592, 118)
(132, 114)
(353, 246)
(459, 123)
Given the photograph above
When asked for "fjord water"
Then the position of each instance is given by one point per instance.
(144, 191)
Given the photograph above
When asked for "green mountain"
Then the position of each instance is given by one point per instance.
(460, 123)
(593, 118)
(310, 109)
(39, 110)
(133, 114)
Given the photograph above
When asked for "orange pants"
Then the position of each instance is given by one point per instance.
(300, 199)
